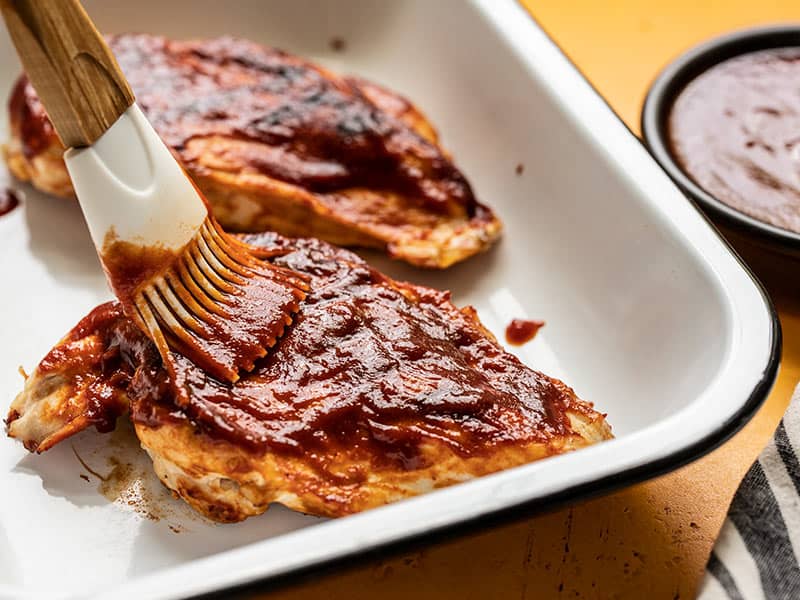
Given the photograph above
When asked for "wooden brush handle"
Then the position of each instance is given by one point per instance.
(69, 63)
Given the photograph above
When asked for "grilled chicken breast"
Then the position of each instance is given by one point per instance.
(378, 391)
(277, 143)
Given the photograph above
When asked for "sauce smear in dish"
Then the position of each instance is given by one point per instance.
(735, 130)
(521, 331)
(8, 201)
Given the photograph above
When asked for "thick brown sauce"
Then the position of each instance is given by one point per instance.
(8, 201)
(102, 370)
(521, 331)
(735, 130)
(129, 266)
(319, 131)
(27, 114)
(367, 370)
(228, 334)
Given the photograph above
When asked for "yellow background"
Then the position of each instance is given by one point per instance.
(651, 540)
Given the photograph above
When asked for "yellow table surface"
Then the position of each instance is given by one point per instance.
(651, 540)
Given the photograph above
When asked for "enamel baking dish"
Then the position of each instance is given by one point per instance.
(649, 314)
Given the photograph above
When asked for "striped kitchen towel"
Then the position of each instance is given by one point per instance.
(756, 555)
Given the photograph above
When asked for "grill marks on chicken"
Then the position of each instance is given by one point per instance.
(379, 390)
(276, 142)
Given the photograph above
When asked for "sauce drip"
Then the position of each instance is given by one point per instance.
(8, 201)
(521, 331)
(28, 117)
(735, 130)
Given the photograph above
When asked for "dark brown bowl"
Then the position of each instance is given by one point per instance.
(655, 113)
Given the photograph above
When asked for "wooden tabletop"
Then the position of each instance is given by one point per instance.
(651, 540)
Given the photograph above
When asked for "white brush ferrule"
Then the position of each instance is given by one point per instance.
(129, 184)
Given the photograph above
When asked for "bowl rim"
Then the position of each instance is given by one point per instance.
(666, 87)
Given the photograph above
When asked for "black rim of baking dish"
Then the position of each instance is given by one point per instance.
(658, 103)
(527, 509)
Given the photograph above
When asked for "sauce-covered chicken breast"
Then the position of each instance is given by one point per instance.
(277, 143)
(377, 391)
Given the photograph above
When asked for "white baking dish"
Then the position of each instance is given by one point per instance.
(648, 313)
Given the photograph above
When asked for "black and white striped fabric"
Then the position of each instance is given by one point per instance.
(756, 555)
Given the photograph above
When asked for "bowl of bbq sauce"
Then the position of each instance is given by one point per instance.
(724, 122)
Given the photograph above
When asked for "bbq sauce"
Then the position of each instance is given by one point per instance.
(8, 201)
(521, 331)
(370, 369)
(313, 128)
(735, 130)
(221, 333)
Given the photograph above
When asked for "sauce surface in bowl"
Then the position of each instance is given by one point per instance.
(735, 130)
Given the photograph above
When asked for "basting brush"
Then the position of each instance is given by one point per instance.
(190, 286)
